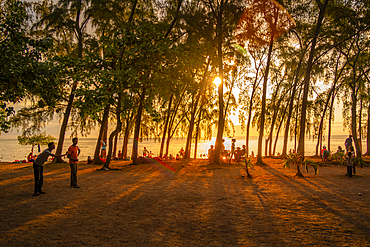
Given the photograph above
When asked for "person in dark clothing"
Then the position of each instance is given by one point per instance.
(349, 161)
(348, 143)
(38, 168)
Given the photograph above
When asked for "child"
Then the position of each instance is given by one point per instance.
(210, 153)
(349, 161)
(145, 152)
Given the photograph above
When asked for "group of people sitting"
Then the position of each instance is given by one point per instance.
(236, 154)
(31, 157)
(324, 153)
(180, 155)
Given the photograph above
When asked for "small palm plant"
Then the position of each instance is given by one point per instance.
(298, 160)
(339, 157)
(312, 163)
(359, 161)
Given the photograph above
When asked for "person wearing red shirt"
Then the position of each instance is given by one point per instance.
(73, 152)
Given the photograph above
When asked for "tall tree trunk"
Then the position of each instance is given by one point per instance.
(330, 119)
(262, 119)
(368, 120)
(191, 126)
(272, 129)
(290, 111)
(168, 142)
(172, 121)
(276, 108)
(126, 135)
(296, 123)
(221, 120)
(114, 133)
(67, 113)
(104, 121)
(63, 128)
(301, 144)
(179, 3)
(197, 133)
(354, 94)
(278, 130)
(255, 85)
(368, 128)
(137, 128)
(353, 118)
(103, 152)
(354, 111)
(337, 75)
(360, 126)
(166, 125)
(266, 146)
(319, 137)
(115, 145)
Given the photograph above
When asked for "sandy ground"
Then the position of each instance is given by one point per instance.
(185, 203)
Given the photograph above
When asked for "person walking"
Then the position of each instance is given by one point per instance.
(38, 168)
(348, 143)
(73, 152)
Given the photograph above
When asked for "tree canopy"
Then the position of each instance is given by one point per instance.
(146, 69)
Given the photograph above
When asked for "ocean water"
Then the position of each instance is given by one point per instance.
(10, 150)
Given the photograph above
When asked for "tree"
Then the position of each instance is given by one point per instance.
(65, 19)
(275, 21)
(302, 133)
(220, 18)
(353, 44)
(22, 72)
(40, 139)
(253, 88)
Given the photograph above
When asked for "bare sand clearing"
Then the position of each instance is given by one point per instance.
(195, 204)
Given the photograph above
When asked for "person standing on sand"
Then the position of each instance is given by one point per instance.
(73, 152)
(232, 153)
(349, 161)
(223, 150)
(210, 153)
(103, 149)
(38, 168)
(348, 143)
